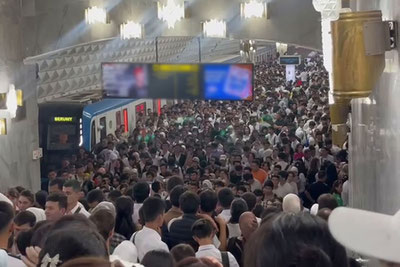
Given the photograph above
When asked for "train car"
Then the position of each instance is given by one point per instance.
(104, 117)
(59, 132)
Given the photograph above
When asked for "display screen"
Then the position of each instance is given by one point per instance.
(178, 81)
(289, 60)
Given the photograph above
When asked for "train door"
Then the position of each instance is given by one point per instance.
(103, 128)
(93, 130)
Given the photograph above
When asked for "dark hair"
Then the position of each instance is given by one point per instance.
(113, 195)
(238, 207)
(294, 240)
(6, 215)
(58, 181)
(73, 242)
(28, 194)
(248, 176)
(176, 192)
(202, 228)
(269, 183)
(89, 262)
(74, 184)
(283, 174)
(152, 208)
(105, 222)
(95, 195)
(123, 219)
(196, 262)
(60, 199)
(321, 174)
(251, 200)
(189, 202)
(208, 200)
(182, 251)
(24, 240)
(39, 233)
(156, 186)
(172, 182)
(327, 201)
(141, 191)
(225, 197)
(158, 258)
(40, 197)
(25, 217)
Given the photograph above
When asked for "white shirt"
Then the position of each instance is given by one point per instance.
(147, 240)
(234, 230)
(82, 210)
(255, 185)
(283, 190)
(9, 260)
(212, 251)
(226, 215)
(135, 215)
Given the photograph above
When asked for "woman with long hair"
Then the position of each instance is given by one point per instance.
(314, 168)
(124, 226)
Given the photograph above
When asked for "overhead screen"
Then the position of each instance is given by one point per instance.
(178, 81)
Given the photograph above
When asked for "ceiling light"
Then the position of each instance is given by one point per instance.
(130, 30)
(95, 15)
(214, 28)
(253, 9)
(171, 13)
(12, 101)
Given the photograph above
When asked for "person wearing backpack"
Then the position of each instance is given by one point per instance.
(203, 233)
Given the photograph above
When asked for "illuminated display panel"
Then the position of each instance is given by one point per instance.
(63, 119)
(178, 81)
(290, 60)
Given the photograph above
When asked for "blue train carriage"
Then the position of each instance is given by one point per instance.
(104, 117)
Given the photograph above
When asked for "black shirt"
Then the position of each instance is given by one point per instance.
(318, 188)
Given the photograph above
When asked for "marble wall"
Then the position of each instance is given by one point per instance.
(375, 136)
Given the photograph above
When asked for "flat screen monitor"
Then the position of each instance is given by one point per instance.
(290, 60)
(178, 81)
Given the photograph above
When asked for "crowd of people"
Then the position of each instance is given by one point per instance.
(249, 183)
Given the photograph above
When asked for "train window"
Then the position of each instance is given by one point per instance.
(93, 135)
(62, 136)
(126, 121)
(118, 118)
(103, 128)
(141, 108)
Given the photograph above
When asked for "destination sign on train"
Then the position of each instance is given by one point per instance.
(178, 81)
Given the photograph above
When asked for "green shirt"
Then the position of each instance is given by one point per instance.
(339, 199)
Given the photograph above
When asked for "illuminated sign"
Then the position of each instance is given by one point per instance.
(63, 119)
(290, 60)
(178, 81)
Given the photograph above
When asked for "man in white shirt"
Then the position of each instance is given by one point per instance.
(149, 238)
(6, 229)
(284, 188)
(72, 189)
(225, 198)
(141, 191)
(203, 233)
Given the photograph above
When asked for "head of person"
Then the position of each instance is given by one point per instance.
(6, 222)
(202, 230)
(208, 201)
(72, 189)
(56, 206)
(23, 221)
(156, 258)
(238, 207)
(141, 191)
(251, 200)
(189, 202)
(181, 252)
(337, 187)
(255, 165)
(327, 201)
(324, 213)
(291, 204)
(40, 198)
(72, 240)
(105, 223)
(277, 169)
(248, 224)
(153, 211)
(123, 212)
(283, 175)
(225, 198)
(56, 185)
(321, 176)
(94, 197)
(175, 194)
(26, 200)
(301, 239)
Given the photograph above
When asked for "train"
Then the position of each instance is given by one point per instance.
(66, 127)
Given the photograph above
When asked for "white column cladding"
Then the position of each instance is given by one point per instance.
(375, 136)
(16, 164)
